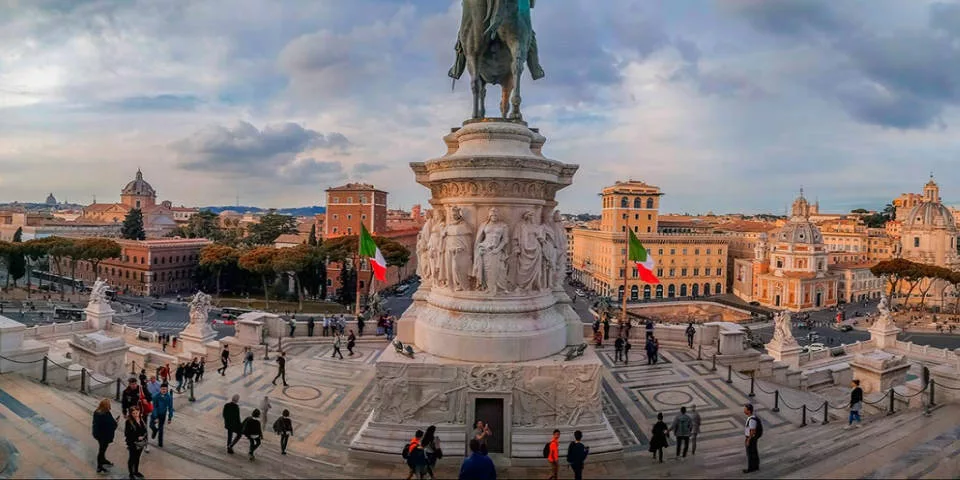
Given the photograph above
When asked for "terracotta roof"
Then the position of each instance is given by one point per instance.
(100, 207)
(354, 186)
(851, 265)
(290, 238)
(746, 226)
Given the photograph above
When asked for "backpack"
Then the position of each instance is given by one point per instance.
(684, 425)
(406, 451)
(546, 450)
(759, 427)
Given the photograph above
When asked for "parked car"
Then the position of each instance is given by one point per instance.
(755, 303)
(846, 328)
(159, 305)
(816, 347)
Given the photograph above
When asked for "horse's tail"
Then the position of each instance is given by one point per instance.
(453, 85)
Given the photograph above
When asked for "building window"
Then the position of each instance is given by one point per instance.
(649, 216)
(349, 199)
(684, 251)
(696, 251)
(134, 259)
(363, 217)
(623, 228)
(349, 217)
(649, 203)
(636, 216)
(659, 291)
(637, 203)
(673, 272)
(623, 202)
(349, 230)
(683, 272)
(660, 252)
(659, 272)
(708, 251)
(648, 229)
(696, 272)
(916, 241)
(635, 228)
(334, 229)
(336, 199)
(363, 199)
(624, 216)
(634, 292)
(673, 251)
(718, 289)
(695, 290)
(683, 290)
(671, 291)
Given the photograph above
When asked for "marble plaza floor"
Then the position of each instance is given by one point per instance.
(46, 432)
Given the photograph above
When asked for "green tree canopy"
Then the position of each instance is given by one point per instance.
(132, 228)
(259, 260)
(16, 263)
(96, 250)
(271, 226)
(216, 257)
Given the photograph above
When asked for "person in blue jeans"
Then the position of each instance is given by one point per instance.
(247, 361)
(162, 413)
(856, 404)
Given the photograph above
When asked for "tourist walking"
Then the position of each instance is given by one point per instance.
(283, 427)
(247, 361)
(856, 404)
(651, 354)
(311, 323)
(265, 407)
(252, 430)
(477, 465)
(293, 324)
(341, 324)
(626, 349)
(224, 360)
(162, 413)
(360, 324)
(336, 346)
(201, 368)
(682, 428)
(598, 338)
(649, 328)
(231, 422)
(553, 455)
(326, 326)
(695, 418)
(153, 386)
(351, 342)
(431, 446)
(281, 369)
(656, 350)
(104, 429)
(143, 377)
(618, 349)
(658, 440)
(690, 333)
(416, 457)
(179, 376)
(135, 434)
(577, 455)
(752, 431)
(194, 370)
(130, 397)
(164, 372)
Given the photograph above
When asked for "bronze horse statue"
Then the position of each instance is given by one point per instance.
(496, 39)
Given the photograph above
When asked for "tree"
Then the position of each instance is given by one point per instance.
(312, 239)
(348, 282)
(271, 226)
(260, 261)
(216, 257)
(860, 211)
(16, 263)
(295, 261)
(395, 254)
(890, 211)
(96, 250)
(33, 251)
(58, 249)
(132, 228)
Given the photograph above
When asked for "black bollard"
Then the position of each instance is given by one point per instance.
(191, 397)
(803, 419)
(890, 410)
(752, 379)
(932, 388)
(83, 380)
(699, 352)
(826, 409)
(713, 368)
(43, 373)
(776, 400)
(729, 374)
(118, 390)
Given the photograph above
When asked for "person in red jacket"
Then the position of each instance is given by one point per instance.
(554, 456)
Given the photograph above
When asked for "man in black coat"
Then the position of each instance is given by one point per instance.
(231, 422)
(311, 323)
(577, 455)
(130, 396)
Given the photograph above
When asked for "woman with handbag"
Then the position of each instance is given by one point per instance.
(431, 446)
(104, 429)
(135, 432)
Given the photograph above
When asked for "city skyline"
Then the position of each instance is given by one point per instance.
(728, 106)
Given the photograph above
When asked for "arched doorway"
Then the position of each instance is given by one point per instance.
(818, 301)
(695, 290)
(659, 291)
(671, 291)
(718, 289)
(683, 289)
(646, 292)
(634, 293)
(620, 293)
(706, 289)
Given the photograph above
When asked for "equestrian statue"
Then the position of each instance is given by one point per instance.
(496, 39)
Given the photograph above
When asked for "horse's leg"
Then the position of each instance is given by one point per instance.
(483, 99)
(519, 58)
(473, 66)
(505, 91)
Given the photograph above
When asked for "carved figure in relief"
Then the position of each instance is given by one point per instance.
(782, 335)
(393, 399)
(550, 250)
(490, 256)
(457, 251)
(424, 269)
(560, 236)
(435, 248)
(884, 319)
(528, 247)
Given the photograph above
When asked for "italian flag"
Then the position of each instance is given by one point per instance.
(370, 250)
(641, 256)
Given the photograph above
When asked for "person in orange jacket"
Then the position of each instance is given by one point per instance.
(554, 456)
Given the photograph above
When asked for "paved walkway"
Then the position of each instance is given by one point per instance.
(46, 431)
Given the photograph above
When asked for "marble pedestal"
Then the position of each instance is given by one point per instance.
(878, 370)
(100, 353)
(533, 399)
(23, 351)
(884, 334)
(195, 337)
(99, 315)
(788, 354)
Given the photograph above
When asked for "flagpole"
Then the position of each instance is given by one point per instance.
(356, 265)
(626, 256)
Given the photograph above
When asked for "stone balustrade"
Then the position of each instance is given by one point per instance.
(41, 331)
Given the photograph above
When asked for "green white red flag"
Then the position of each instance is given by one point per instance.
(370, 250)
(639, 254)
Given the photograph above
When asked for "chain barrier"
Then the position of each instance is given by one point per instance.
(879, 399)
(67, 368)
(811, 410)
(18, 361)
(940, 385)
(785, 404)
(910, 396)
(764, 391)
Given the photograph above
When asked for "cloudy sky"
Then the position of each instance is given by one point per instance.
(727, 105)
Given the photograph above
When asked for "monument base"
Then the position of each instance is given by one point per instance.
(523, 403)
(195, 338)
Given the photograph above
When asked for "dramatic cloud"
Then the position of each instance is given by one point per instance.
(725, 104)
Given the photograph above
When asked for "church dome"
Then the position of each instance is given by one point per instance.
(51, 200)
(138, 186)
(802, 232)
(930, 214)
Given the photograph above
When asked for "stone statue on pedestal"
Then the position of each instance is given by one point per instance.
(884, 319)
(457, 251)
(200, 308)
(782, 334)
(424, 269)
(98, 293)
(435, 248)
(490, 256)
(528, 247)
